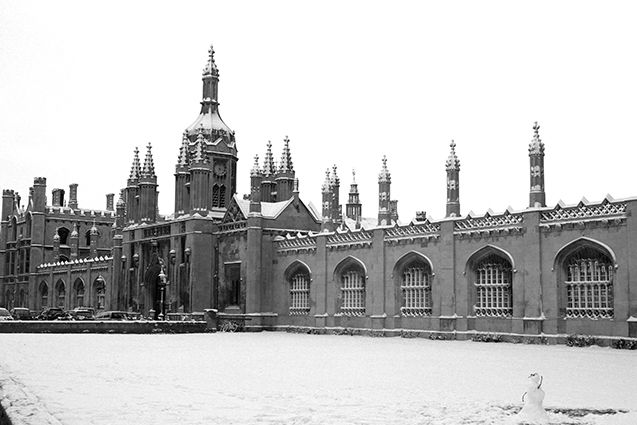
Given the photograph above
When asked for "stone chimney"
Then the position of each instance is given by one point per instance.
(58, 197)
(73, 195)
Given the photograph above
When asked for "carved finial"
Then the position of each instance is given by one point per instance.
(211, 66)
(135, 171)
(199, 155)
(182, 159)
(453, 163)
(93, 230)
(74, 233)
(385, 175)
(286, 157)
(56, 237)
(149, 166)
(353, 176)
(327, 183)
(268, 161)
(256, 171)
(335, 180)
(536, 147)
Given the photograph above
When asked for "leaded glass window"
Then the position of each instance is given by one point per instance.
(493, 279)
(300, 294)
(589, 285)
(353, 293)
(416, 290)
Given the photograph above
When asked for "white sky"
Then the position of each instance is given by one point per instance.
(82, 84)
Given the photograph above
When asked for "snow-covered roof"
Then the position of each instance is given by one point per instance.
(272, 210)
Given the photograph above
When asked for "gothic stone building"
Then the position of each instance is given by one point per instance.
(275, 259)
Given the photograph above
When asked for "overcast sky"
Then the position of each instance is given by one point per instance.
(82, 84)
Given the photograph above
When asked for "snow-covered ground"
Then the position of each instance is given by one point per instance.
(279, 378)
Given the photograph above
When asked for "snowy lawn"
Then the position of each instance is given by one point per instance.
(279, 378)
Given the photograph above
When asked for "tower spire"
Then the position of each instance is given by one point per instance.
(537, 196)
(182, 159)
(135, 171)
(453, 182)
(285, 165)
(353, 207)
(268, 161)
(384, 195)
(211, 66)
(149, 166)
(256, 170)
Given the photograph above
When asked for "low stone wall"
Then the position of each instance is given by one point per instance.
(95, 326)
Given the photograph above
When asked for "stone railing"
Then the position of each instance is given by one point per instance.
(97, 262)
(606, 213)
(489, 225)
(420, 232)
(295, 244)
(349, 239)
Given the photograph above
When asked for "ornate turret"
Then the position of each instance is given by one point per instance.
(132, 190)
(219, 149)
(353, 208)
(199, 176)
(148, 189)
(384, 195)
(453, 182)
(255, 186)
(74, 240)
(537, 196)
(268, 184)
(337, 209)
(285, 173)
(93, 236)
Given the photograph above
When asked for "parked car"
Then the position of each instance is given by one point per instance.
(133, 315)
(21, 313)
(112, 315)
(5, 315)
(53, 313)
(82, 314)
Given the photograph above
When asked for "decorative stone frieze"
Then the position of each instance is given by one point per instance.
(421, 232)
(489, 225)
(607, 213)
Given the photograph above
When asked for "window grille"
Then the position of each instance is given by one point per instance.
(215, 196)
(222, 196)
(300, 294)
(44, 296)
(60, 296)
(416, 291)
(589, 288)
(493, 288)
(353, 293)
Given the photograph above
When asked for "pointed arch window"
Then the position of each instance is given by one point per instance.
(44, 294)
(493, 283)
(222, 196)
(589, 284)
(78, 293)
(100, 292)
(300, 292)
(63, 232)
(415, 289)
(215, 195)
(60, 293)
(352, 291)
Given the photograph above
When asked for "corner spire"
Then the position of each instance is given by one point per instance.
(285, 165)
(182, 159)
(268, 161)
(327, 183)
(256, 171)
(149, 166)
(335, 180)
(536, 147)
(211, 66)
(453, 163)
(385, 175)
(135, 171)
(199, 155)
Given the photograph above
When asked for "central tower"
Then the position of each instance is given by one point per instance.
(213, 143)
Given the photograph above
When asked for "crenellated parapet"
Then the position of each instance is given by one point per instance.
(349, 239)
(299, 244)
(606, 213)
(67, 211)
(79, 264)
(414, 232)
(489, 225)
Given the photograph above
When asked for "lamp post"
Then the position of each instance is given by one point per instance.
(162, 288)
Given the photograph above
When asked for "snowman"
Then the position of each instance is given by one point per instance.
(532, 411)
